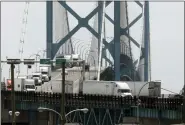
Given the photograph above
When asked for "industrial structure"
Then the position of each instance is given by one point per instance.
(119, 47)
(103, 109)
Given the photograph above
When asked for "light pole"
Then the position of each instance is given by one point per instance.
(17, 113)
(139, 101)
(12, 62)
(40, 109)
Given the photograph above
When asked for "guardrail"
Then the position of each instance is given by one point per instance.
(94, 100)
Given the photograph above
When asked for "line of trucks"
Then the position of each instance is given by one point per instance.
(30, 83)
(117, 88)
(120, 88)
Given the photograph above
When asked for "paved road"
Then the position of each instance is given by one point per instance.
(74, 75)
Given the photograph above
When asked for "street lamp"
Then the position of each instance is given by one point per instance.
(41, 109)
(17, 113)
(139, 101)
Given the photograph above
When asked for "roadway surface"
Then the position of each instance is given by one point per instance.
(74, 74)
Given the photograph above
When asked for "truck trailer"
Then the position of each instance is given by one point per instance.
(56, 86)
(145, 89)
(116, 88)
(19, 84)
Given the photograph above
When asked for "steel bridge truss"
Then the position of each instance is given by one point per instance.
(113, 47)
(97, 116)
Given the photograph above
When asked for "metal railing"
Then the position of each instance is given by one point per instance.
(87, 100)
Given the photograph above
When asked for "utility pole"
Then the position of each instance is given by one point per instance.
(12, 63)
(13, 94)
(63, 94)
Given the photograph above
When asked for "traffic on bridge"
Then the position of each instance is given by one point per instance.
(107, 78)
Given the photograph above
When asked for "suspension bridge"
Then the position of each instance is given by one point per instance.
(112, 57)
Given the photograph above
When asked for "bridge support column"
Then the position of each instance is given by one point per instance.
(49, 29)
(117, 40)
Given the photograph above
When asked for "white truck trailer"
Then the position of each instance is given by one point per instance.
(19, 84)
(152, 89)
(56, 86)
(117, 88)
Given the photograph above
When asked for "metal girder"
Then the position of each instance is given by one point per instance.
(117, 40)
(105, 57)
(124, 31)
(109, 46)
(146, 49)
(49, 29)
(98, 116)
(139, 3)
(82, 22)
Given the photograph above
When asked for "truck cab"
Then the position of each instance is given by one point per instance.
(29, 85)
(45, 72)
(37, 75)
(123, 89)
(75, 58)
(30, 88)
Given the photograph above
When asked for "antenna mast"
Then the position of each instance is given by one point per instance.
(23, 32)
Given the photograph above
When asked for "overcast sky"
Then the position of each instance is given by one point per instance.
(167, 30)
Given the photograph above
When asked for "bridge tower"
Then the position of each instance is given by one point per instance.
(116, 47)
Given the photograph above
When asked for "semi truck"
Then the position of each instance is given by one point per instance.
(37, 75)
(116, 88)
(21, 84)
(29, 85)
(45, 72)
(93, 87)
(73, 60)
